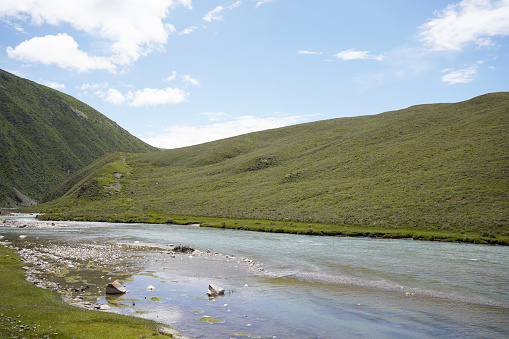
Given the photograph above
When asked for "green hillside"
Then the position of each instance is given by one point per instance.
(438, 168)
(46, 135)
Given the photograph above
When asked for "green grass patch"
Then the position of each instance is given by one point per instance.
(210, 320)
(42, 313)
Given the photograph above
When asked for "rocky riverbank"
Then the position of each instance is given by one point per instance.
(81, 271)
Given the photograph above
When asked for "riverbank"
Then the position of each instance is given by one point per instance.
(289, 227)
(30, 311)
(310, 286)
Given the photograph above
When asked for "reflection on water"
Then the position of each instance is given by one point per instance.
(278, 285)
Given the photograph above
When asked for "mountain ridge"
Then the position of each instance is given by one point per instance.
(46, 135)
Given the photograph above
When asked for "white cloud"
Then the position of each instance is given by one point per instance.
(137, 98)
(186, 3)
(353, 54)
(52, 84)
(180, 136)
(134, 28)
(86, 87)
(60, 50)
(154, 96)
(217, 13)
(214, 14)
(18, 73)
(460, 76)
(309, 52)
(114, 96)
(259, 3)
(467, 22)
(186, 78)
(190, 80)
(188, 30)
(214, 116)
(172, 77)
(235, 4)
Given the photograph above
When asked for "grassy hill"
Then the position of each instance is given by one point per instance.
(46, 135)
(441, 169)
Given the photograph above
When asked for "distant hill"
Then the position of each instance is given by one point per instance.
(433, 167)
(46, 136)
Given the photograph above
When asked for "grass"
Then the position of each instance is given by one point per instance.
(210, 320)
(28, 311)
(46, 135)
(435, 172)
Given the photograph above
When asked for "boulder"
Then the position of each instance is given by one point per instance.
(115, 288)
(214, 290)
(183, 249)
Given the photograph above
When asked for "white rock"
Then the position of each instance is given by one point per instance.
(215, 290)
(115, 288)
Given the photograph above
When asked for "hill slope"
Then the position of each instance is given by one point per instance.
(46, 135)
(433, 167)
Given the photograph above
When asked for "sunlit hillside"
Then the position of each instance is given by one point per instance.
(432, 167)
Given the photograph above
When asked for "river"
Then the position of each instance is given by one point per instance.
(282, 285)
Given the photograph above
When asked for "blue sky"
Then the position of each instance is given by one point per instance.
(182, 72)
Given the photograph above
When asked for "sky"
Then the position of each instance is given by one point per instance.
(176, 73)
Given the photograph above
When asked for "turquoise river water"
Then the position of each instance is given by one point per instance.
(291, 286)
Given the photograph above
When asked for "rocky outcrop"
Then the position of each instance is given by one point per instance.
(115, 288)
(78, 112)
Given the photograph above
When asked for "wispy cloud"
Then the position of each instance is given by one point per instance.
(214, 116)
(188, 30)
(52, 84)
(214, 14)
(467, 22)
(309, 52)
(460, 76)
(235, 4)
(190, 80)
(259, 3)
(353, 54)
(180, 136)
(186, 79)
(88, 86)
(172, 77)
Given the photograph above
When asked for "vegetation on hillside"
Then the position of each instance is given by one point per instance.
(439, 168)
(46, 135)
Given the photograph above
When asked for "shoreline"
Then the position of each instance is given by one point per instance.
(58, 318)
(299, 228)
(59, 267)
